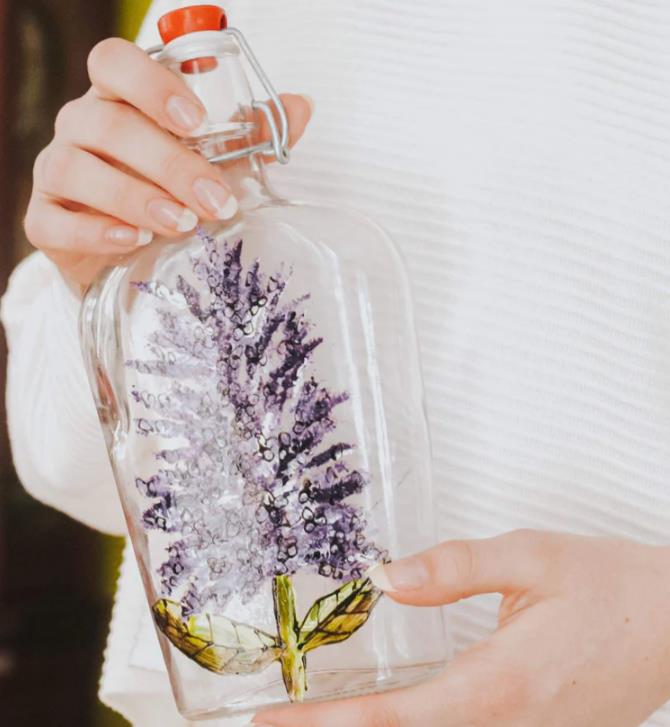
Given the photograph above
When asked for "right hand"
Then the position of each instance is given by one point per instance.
(115, 172)
(583, 637)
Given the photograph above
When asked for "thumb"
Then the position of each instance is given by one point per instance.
(462, 568)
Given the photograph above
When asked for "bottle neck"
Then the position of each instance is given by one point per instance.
(248, 181)
(210, 65)
(246, 175)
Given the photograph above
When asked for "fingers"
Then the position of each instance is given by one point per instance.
(299, 110)
(59, 230)
(459, 569)
(472, 690)
(485, 685)
(120, 71)
(116, 131)
(120, 133)
(68, 173)
(115, 174)
(419, 706)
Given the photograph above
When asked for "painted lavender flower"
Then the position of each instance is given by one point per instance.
(251, 482)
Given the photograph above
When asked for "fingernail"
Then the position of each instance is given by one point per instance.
(215, 197)
(145, 237)
(310, 102)
(126, 235)
(403, 575)
(172, 215)
(184, 113)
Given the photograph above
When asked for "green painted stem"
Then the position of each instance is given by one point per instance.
(293, 660)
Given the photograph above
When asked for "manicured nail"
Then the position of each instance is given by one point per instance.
(310, 103)
(172, 215)
(126, 235)
(145, 237)
(184, 113)
(215, 197)
(403, 575)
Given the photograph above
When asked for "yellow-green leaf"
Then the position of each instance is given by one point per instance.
(217, 643)
(339, 615)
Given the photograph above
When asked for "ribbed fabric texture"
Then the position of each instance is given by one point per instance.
(519, 153)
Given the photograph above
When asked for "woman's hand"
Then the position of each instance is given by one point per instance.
(583, 638)
(114, 175)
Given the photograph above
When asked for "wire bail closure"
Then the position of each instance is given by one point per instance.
(277, 146)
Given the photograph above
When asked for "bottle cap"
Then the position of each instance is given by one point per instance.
(193, 19)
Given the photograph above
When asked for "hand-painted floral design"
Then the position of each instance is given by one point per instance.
(251, 482)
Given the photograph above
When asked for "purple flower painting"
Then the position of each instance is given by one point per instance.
(251, 482)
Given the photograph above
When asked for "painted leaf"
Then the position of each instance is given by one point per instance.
(217, 643)
(339, 615)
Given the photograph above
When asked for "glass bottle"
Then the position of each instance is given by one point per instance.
(259, 389)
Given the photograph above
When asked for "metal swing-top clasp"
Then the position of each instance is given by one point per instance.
(277, 146)
(196, 19)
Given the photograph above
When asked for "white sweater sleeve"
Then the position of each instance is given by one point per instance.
(57, 444)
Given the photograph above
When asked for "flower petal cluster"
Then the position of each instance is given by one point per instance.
(252, 482)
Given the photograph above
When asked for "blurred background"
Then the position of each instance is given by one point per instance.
(56, 576)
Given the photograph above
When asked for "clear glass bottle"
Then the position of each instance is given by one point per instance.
(259, 388)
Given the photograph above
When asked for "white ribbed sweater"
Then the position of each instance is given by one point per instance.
(519, 152)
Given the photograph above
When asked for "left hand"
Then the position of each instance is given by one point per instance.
(583, 638)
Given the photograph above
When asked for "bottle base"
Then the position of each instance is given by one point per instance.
(323, 686)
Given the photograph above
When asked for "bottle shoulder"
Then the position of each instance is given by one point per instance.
(316, 241)
(340, 227)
